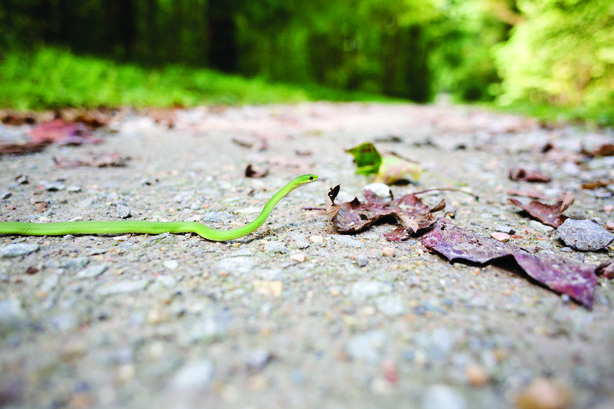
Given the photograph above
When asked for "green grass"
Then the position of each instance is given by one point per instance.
(51, 78)
(601, 117)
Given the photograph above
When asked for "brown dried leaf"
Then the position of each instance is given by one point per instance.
(575, 279)
(62, 132)
(606, 270)
(550, 215)
(520, 174)
(597, 184)
(250, 172)
(409, 211)
(23, 148)
(607, 149)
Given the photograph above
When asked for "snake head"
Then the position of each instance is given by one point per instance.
(308, 178)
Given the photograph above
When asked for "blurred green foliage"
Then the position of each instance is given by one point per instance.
(52, 78)
(524, 54)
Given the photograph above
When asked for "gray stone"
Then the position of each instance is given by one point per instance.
(505, 229)
(167, 281)
(17, 249)
(5, 195)
(54, 186)
(365, 289)
(584, 235)
(258, 359)
(362, 260)
(367, 346)
(76, 263)
(123, 287)
(275, 247)
(123, 211)
(390, 305)
(93, 271)
(183, 196)
(346, 240)
(11, 312)
(50, 282)
(193, 376)
(442, 397)
(235, 265)
(380, 189)
(74, 188)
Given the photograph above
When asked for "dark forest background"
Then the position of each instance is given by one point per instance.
(556, 52)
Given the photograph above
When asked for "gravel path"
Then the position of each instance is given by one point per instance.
(295, 316)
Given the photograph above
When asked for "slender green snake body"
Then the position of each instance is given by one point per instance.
(123, 227)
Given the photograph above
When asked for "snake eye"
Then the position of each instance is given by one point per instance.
(310, 177)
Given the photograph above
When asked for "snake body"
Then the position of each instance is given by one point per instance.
(146, 227)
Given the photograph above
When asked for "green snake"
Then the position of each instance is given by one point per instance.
(138, 226)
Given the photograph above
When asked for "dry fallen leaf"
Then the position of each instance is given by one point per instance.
(547, 214)
(534, 176)
(575, 279)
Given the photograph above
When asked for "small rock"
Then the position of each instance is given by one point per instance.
(366, 289)
(123, 211)
(346, 240)
(501, 228)
(367, 346)
(170, 264)
(193, 376)
(275, 247)
(539, 227)
(500, 236)
(610, 225)
(93, 271)
(298, 257)
(388, 252)
(258, 359)
(476, 375)
(544, 393)
(442, 397)
(123, 287)
(235, 265)
(167, 281)
(76, 263)
(50, 282)
(11, 311)
(73, 189)
(380, 189)
(183, 196)
(390, 305)
(5, 195)
(362, 260)
(54, 186)
(316, 239)
(584, 235)
(17, 249)
(264, 287)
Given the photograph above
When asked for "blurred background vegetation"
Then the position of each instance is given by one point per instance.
(548, 57)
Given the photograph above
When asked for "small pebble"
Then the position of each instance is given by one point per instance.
(298, 257)
(275, 247)
(610, 225)
(505, 229)
(93, 271)
(54, 186)
(170, 264)
(500, 236)
(442, 397)
(17, 249)
(73, 188)
(193, 376)
(258, 359)
(543, 393)
(584, 235)
(362, 260)
(366, 289)
(346, 240)
(388, 252)
(316, 239)
(123, 287)
(123, 211)
(380, 189)
(367, 346)
(6, 195)
(476, 375)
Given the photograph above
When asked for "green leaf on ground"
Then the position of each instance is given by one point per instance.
(388, 167)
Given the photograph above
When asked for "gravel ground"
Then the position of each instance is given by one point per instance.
(295, 315)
